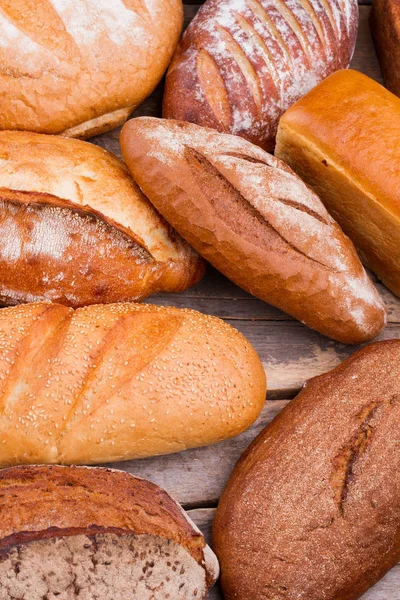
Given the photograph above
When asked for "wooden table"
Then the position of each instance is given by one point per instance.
(290, 352)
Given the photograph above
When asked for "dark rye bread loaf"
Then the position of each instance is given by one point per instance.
(251, 217)
(312, 509)
(74, 532)
(242, 63)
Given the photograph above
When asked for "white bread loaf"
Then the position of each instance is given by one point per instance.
(114, 382)
(81, 232)
(79, 67)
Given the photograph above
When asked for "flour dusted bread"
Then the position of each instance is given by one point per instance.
(356, 176)
(79, 67)
(76, 229)
(250, 216)
(241, 63)
(73, 532)
(312, 509)
(114, 382)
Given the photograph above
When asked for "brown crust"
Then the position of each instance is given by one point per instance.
(111, 264)
(249, 215)
(78, 69)
(42, 502)
(314, 501)
(385, 28)
(239, 66)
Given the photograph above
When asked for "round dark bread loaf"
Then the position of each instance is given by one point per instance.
(242, 63)
(312, 509)
(75, 532)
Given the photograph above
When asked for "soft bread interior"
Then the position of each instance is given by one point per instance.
(104, 566)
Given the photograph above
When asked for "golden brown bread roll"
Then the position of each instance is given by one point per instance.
(385, 27)
(312, 508)
(81, 232)
(73, 532)
(241, 63)
(250, 216)
(114, 382)
(343, 139)
(80, 67)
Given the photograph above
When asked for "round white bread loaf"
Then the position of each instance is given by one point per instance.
(79, 67)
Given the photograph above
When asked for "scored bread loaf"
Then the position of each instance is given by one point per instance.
(80, 67)
(250, 216)
(312, 509)
(385, 28)
(121, 381)
(74, 532)
(356, 176)
(241, 63)
(76, 229)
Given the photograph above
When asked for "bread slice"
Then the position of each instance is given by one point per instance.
(97, 533)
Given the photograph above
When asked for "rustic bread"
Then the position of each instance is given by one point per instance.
(312, 509)
(73, 532)
(356, 176)
(120, 381)
(79, 68)
(257, 222)
(81, 231)
(241, 63)
(385, 27)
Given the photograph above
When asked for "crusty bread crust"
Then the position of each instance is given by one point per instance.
(40, 503)
(312, 508)
(80, 66)
(120, 381)
(249, 215)
(62, 195)
(241, 64)
(355, 175)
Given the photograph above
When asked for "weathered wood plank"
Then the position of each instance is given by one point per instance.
(386, 589)
(218, 296)
(197, 477)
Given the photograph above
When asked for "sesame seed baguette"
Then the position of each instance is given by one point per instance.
(116, 382)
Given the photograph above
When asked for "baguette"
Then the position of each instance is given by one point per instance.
(385, 28)
(75, 229)
(73, 532)
(242, 63)
(312, 508)
(115, 382)
(356, 176)
(250, 216)
(79, 68)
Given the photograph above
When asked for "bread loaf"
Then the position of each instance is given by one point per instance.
(114, 382)
(356, 176)
(249, 215)
(385, 27)
(312, 508)
(73, 532)
(76, 229)
(80, 67)
(241, 63)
